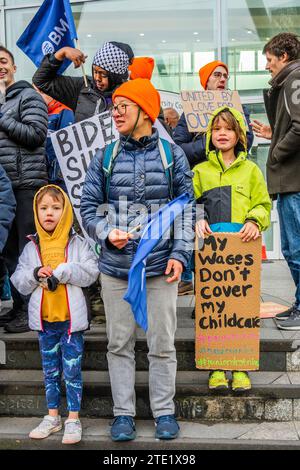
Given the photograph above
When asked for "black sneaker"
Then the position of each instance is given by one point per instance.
(19, 324)
(292, 323)
(7, 317)
(286, 314)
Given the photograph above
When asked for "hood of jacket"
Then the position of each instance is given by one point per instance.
(59, 238)
(215, 156)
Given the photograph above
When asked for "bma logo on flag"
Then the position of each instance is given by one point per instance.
(57, 34)
(47, 48)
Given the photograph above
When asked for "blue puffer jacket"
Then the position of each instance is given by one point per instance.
(193, 144)
(138, 176)
(7, 207)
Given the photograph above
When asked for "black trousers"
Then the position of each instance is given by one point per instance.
(22, 226)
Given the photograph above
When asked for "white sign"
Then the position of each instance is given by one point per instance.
(171, 100)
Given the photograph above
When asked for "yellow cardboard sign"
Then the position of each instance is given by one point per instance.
(227, 286)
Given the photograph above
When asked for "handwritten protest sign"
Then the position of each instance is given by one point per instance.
(198, 106)
(75, 147)
(228, 303)
(169, 99)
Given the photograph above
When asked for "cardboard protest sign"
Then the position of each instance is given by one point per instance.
(76, 145)
(169, 99)
(198, 106)
(228, 303)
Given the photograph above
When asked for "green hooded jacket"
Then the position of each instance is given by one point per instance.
(235, 194)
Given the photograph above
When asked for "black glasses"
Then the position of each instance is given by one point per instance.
(220, 75)
(121, 108)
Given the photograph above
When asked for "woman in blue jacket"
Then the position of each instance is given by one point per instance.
(138, 183)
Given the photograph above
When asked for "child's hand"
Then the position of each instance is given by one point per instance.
(249, 231)
(45, 271)
(203, 228)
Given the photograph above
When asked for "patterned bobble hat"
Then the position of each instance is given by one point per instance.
(112, 58)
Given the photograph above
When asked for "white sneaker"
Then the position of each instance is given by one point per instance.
(49, 425)
(73, 431)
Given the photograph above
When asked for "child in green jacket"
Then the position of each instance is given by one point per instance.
(235, 198)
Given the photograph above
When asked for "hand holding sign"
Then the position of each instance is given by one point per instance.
(203, 228)
(249, 231)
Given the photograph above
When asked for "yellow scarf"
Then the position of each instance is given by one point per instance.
(52, 248)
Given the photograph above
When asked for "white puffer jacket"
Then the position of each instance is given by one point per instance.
(80, 270)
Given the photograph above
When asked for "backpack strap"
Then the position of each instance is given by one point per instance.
(165, 150)
(110, 153)
(168, 162)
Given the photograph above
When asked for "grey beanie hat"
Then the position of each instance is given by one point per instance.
(112, 59)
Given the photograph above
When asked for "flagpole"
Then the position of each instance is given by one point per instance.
(82, 65)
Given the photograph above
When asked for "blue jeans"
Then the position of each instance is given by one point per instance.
(61, 353)
(288, 207)
(187, 274)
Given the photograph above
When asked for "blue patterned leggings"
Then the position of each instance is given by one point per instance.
(61, 353)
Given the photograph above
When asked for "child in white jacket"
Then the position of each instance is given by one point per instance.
(53, 268)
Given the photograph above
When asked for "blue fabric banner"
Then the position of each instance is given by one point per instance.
(136, 294)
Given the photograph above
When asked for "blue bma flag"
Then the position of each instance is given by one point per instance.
(51, 28)
(136, 294)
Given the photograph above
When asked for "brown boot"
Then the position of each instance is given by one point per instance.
(185, 288)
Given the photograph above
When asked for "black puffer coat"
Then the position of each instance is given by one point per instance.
(23, 132)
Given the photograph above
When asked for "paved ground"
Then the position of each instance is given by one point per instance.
(98, 429)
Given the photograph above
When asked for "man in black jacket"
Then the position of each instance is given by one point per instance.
(23, 132)
(282, 103)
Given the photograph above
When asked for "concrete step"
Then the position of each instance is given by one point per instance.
(278, 351)
(274, 396)
(193, 436)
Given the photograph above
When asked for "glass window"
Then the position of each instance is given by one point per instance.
(180, 36)
(249, 24)
(174, 33)
(13, 3)
(15, 23)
